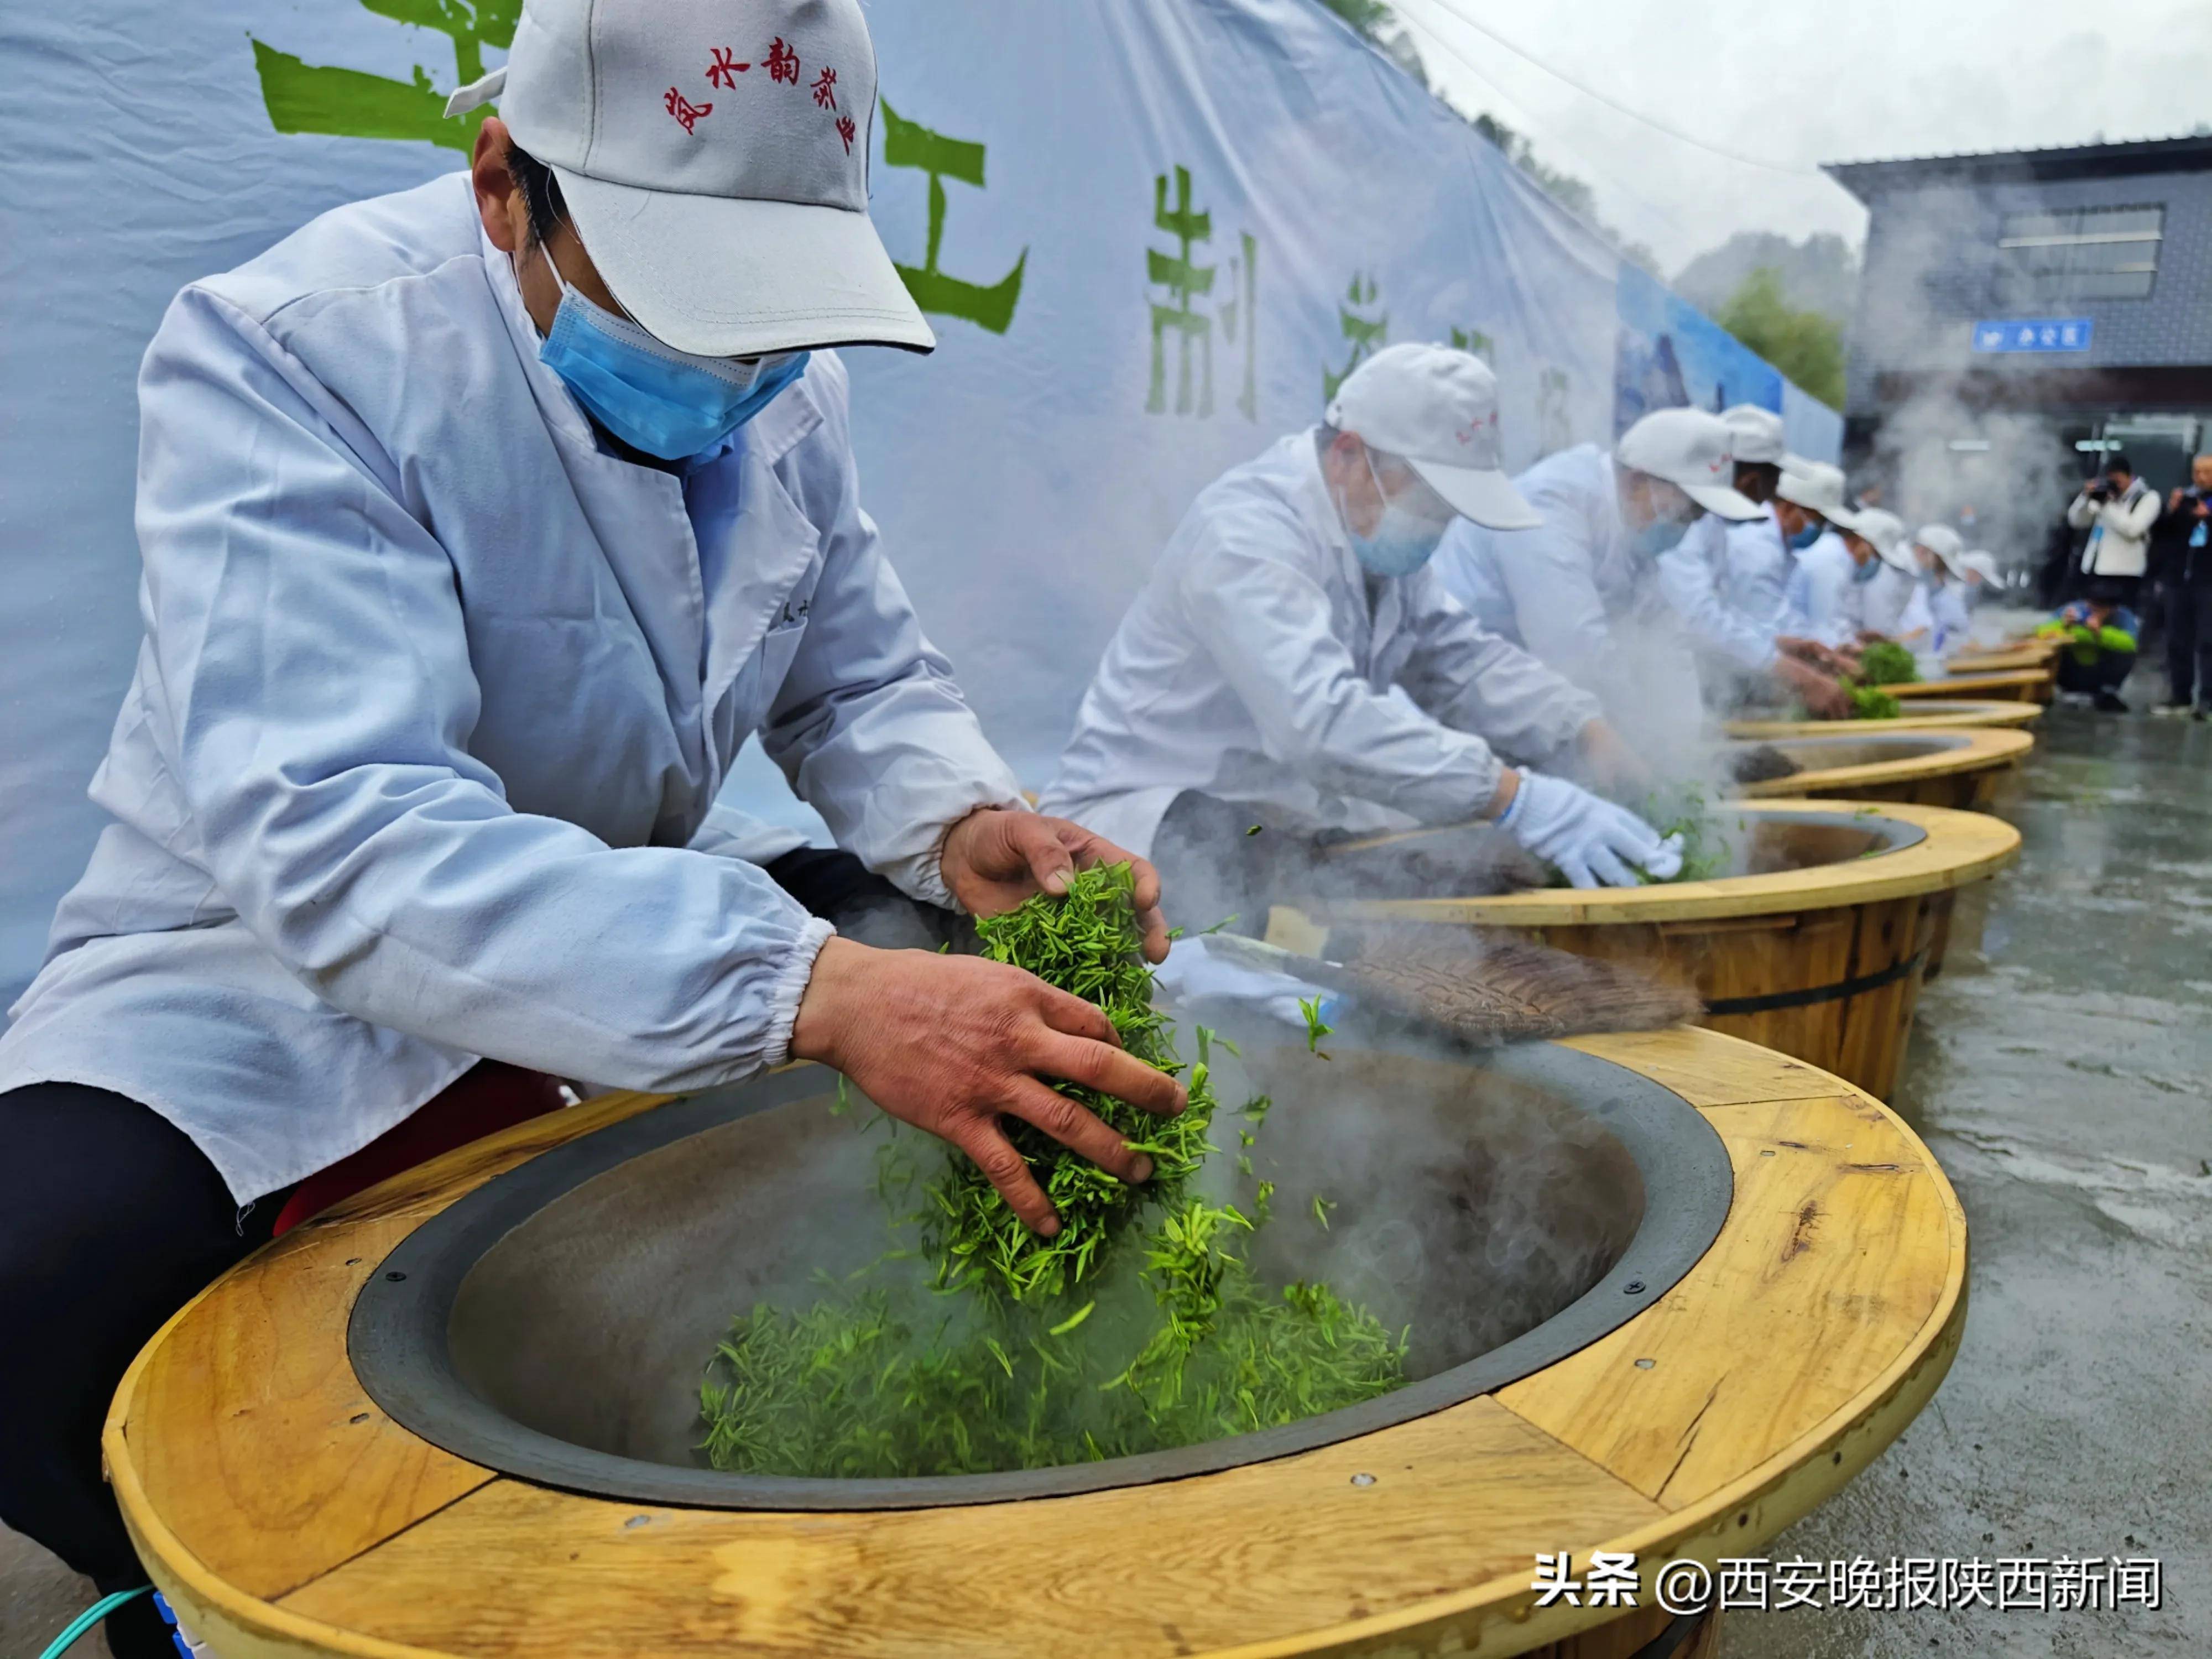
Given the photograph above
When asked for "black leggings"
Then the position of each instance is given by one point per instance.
(2188, 634)
(115, 1220)
(2104, 674)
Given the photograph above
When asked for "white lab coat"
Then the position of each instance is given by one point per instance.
(1725, 581)
(420, 759)
(1936, 620)
(1822, 598)
(1577, 595)
(1253, 667)
(1883, 597)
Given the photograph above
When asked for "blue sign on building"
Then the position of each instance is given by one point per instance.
(2034, 334)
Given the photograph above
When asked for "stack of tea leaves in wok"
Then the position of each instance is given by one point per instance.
(1139, 1327)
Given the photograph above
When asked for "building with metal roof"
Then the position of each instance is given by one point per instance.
(2058, 300)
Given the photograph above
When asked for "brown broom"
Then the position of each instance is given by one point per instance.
(1480, 989)
(1760, 762)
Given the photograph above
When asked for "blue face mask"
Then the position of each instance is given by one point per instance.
(1658, 536)
(1805, 537)
(1868, 571)
(653, 397)
(1402, 541)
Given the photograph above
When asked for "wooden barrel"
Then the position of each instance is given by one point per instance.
(283, 1513)
(2015, 685)
(1963, 769)
(1823, 961)
(1921, 713)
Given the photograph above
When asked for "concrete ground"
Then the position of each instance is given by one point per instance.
(2060, 1077)
(38, 1596)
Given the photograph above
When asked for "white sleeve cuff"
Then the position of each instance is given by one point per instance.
(790, 985)
(923, 879)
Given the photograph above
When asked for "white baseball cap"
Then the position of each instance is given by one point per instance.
(1435, 410)
(1690, 450)
(1882, 530)
(714, 158)
(1812, 485)
(1754, 434)
(1945, 543)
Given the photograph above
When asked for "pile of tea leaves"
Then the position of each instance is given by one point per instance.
(1681, 809)
(1140, 1326)
(1885, 662)
(1871, 703)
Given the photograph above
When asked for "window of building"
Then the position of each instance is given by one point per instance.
(2078, 254)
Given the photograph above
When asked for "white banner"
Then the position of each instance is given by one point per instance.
(1151, 234)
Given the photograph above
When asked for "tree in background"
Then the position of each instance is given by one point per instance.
(1374, 20)
(1369, 17)
(1821, 273)
(1805, 346)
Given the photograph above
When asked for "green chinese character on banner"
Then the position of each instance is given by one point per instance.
(1365, 331)
(1474, 340)
(1185, 281)
(910, 144)
(303, 97)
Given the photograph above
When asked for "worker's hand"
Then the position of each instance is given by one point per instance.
(1823, 697)
(993, 858)
(1612, 765)
(951, 1044)
(1820, 656)
(1593, 841)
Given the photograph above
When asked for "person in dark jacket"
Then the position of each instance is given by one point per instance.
(2184, 554)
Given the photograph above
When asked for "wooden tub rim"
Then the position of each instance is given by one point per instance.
(1958, 847)
(1738, 1513)
(1967, 685)
(1971, 749)
(1920, 715)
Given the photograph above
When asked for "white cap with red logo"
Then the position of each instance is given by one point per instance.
(714, 158)
(1690, 449)
(1755, 435)
(1945, 543)
(1813, 484)
(1882, 529)
(1437, 410)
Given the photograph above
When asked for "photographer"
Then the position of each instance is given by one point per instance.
(2117, 510)
(2184, 546)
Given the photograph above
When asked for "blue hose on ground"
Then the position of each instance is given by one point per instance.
(91, 1616)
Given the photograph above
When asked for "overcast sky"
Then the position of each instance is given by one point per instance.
(1796, 82)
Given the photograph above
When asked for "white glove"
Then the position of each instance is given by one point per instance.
(1593, 841)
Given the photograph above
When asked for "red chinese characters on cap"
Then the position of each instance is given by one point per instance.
(687, 113)
(781, 61)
